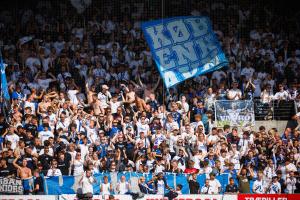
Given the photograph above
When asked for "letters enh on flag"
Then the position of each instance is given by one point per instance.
(183, 47)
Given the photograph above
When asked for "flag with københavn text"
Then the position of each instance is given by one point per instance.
(183, 47)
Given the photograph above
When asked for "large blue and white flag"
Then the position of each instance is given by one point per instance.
(183, 47)
(4, 88)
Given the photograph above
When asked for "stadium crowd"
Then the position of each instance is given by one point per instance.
(86, 98)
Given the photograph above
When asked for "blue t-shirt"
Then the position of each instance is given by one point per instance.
(114, 130)
(16, 95)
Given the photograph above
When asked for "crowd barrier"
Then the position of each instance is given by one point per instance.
(70, 184)
(159, 197)
(58, 185)
(245, 112)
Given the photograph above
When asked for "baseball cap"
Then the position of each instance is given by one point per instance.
(105, 87)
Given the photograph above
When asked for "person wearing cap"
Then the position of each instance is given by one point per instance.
(104, 96)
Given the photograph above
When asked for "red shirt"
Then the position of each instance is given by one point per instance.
(190, 171)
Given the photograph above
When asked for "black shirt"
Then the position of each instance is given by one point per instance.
(4, 172)
(62, 165)
(3, 127)
(32, 128)
(194, 187)
(45, 160)
(121, 145)
(39, 181)
(231, 188)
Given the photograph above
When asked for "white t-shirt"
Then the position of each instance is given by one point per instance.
(103, 100)
(14, 139)
(207, 190)
(123, 187)
(257, 91)
(72, 96)
(105, 188)
(291, 185)
(114, 106)
(31, 105)
(87, 186)
(282, 95)
(234, 93)
(142, 128)
(54, 172)
(44, 135)
(212, 138)
(247, 72)
(274, 189)
(158, 139)
(64, 125)
(78, 167)
(259, 187)
(44, 83)
(215, 185)
(160, 187)
(218, 75)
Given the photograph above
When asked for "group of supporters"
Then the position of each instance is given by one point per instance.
(86, 98)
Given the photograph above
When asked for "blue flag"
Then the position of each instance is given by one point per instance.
(4, 88)
(183, 47)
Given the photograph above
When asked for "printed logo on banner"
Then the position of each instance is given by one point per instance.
(10, 186)
(183, 47)
(28, 197)
(268, 196)
(234, 113)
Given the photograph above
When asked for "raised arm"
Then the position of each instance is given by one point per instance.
(53, 77)
(15, 162)
(140, 82)
(157, 84)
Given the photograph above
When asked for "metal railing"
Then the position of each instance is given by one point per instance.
(274, 110)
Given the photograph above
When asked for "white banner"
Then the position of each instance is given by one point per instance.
(155, 197)
(28, 197)
(10, 186)
(234, 113)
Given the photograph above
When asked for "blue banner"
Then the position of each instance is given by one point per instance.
(4, 88)
(183, 47)
(70, 184)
